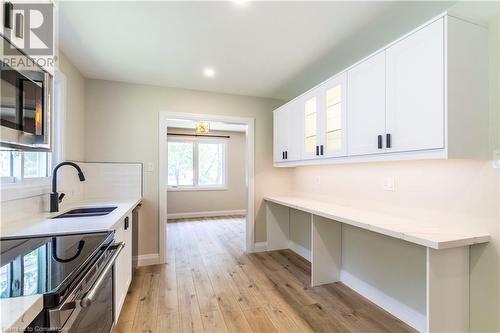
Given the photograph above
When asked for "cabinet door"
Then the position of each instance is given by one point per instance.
(280, 134)
(309, 109)
(332, 115)
(366, 107)
(415, 90)
(123, 264)
(293, 123)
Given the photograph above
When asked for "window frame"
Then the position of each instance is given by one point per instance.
(196, 141)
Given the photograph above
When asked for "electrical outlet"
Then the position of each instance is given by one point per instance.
(388, 184)
(150, 167)
(317, 180)
(496, 159)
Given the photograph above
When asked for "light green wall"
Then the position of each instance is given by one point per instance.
(376, 34)
(74, 141)
(122, 125)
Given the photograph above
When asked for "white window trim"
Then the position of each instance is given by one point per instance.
(196, 141)
(7, 180)
(20, 187)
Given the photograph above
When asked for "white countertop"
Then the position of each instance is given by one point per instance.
(43, 224)
(414, 231)
(19, 312)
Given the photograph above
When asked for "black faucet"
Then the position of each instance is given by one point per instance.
(55, 198)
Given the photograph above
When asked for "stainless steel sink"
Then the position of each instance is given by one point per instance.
(86, 212)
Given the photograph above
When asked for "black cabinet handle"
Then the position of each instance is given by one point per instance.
(380, 142)
(388, 140)
(19, 25)
(321, 150)
(8, 15)
(126, 223)
(317, 150)
(286, 154)
(282, 155)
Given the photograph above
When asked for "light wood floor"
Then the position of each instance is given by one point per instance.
(211, 285)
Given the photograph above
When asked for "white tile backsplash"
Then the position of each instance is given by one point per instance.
(112, 180)
(103, 181)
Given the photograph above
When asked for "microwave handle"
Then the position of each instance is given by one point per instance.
(87, 300)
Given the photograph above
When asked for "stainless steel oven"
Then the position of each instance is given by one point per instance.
(25, 101)
(73, 272)
(89, 307)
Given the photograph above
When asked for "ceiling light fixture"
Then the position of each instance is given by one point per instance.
(202, 127)
(209, 72)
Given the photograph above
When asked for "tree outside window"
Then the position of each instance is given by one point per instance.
(196, 163)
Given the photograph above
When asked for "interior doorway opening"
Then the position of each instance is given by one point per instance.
(206, 170)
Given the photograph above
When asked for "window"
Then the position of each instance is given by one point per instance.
(16, 166)
(198, 163)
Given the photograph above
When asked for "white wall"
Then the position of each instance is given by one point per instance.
(122, 125)
(464, 193)
(230, 199)
(75, 110)
(457, 192)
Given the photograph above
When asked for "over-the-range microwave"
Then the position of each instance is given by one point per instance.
(25, 101)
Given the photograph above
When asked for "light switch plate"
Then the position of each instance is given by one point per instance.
(388, 184)
(150, 167)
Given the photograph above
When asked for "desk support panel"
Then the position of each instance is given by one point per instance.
(326, 248)
(448, 290)
(278, 226)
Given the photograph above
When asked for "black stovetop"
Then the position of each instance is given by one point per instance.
(47, 265)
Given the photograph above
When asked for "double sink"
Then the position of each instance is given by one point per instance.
(86, 212)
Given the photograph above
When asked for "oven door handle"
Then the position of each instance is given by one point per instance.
(91, 295)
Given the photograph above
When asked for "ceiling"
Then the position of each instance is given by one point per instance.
(256, 48)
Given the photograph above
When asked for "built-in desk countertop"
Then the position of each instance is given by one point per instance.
(414, 231)
(446, 263)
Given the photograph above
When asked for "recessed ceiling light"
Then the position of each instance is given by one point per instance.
(209, 72)
(240, 2)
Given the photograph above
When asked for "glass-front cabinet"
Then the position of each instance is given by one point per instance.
(310, 116)
(324, 120)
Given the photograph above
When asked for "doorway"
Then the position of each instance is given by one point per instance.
(181, 130)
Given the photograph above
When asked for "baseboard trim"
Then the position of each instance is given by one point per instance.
(402, 311)
(146, 260)
(300, 250)
(260, 247)
(171, 216)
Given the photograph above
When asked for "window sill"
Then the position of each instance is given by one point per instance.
(196, 188)
(32, 187)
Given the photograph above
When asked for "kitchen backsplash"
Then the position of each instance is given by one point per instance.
(103, 181)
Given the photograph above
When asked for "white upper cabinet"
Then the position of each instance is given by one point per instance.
(280, 136)
(415, 91)
(366, 103)
(285, 124)
(323, 119)
(424, 96)
(309, 108)
(333, 119)
(292, 152)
